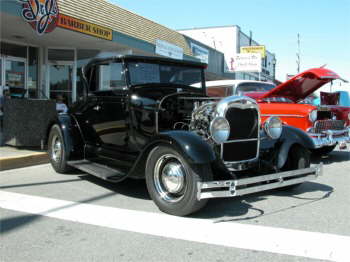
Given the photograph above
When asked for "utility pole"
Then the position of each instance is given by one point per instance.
(298, 55)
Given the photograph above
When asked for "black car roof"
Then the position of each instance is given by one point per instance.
(156, 59)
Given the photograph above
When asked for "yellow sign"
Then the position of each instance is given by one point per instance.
(254, 49)
(81, 26)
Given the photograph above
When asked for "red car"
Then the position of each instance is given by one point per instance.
(327, 126)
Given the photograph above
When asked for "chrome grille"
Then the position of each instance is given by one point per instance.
(243, 144)
(244, 123)
(323, 125)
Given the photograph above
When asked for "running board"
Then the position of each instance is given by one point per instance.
(101, 171)
(244, 186)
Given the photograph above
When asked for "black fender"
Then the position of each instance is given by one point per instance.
(289, 137)
(192, 147)
(73, 140)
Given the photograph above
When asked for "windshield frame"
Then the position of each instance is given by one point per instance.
(175, 84)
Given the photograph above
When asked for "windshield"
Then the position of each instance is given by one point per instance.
(253, 87)
(150, 73)
(278, 100)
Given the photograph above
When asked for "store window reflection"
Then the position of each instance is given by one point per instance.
(19, 69)
(61, 65)
(61, 82)
(15, 77)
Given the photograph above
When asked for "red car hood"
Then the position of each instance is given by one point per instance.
(302, 85)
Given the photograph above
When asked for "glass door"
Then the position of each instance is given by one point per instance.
(15, 75)
(61, 81)
(1, 77)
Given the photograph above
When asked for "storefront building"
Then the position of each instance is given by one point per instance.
(45, 43)
(229, 40)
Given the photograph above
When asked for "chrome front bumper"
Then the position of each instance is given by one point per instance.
(244, 186)
(330, 137)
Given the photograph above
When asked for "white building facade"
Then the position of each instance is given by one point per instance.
(229, 40)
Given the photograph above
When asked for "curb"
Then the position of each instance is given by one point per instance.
(7, 163)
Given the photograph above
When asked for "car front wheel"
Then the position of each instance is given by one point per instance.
(298, 158)
(172, 181)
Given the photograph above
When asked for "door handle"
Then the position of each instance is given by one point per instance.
(97, 108)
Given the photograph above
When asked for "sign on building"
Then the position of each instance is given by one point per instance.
(249, 62)
(81, 26)
(200, 52)
(42, 15)
(165, 48)
(254, 49)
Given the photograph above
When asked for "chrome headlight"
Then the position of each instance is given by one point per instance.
(273, 127)
(220, 129)
(313, 116)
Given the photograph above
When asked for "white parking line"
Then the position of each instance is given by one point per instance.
(269, 239)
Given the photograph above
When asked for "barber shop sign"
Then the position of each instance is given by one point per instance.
(42, 15)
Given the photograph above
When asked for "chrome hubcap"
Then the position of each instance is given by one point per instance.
(170, 178)
(56, 148)
(173, 177)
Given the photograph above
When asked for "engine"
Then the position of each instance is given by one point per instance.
(202, 116)
(231, 124)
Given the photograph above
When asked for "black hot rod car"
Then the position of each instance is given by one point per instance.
(140, 117)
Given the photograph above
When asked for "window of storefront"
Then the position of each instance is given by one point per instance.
(19, 69)
(15, 71)
(61, 77)
(7, 49)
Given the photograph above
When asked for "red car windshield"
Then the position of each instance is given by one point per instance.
(253, 87)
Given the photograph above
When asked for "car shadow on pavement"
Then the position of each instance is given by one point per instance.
(39, 183)
(135, 188)
(236, 209)
(14, 223)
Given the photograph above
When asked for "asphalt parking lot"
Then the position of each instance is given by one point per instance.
(46, 216)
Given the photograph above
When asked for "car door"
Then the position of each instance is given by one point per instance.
(103, 116)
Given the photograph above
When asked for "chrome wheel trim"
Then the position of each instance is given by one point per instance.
(56, 148)
(170, 178)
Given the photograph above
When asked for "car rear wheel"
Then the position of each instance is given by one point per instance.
(57, 151)
(172, 181)
(323, 150)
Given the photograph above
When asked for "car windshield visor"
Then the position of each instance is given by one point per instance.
(141, 73)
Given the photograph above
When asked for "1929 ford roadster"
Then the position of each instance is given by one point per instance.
(139, 117)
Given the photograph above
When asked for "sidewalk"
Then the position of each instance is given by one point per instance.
(12, 157)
